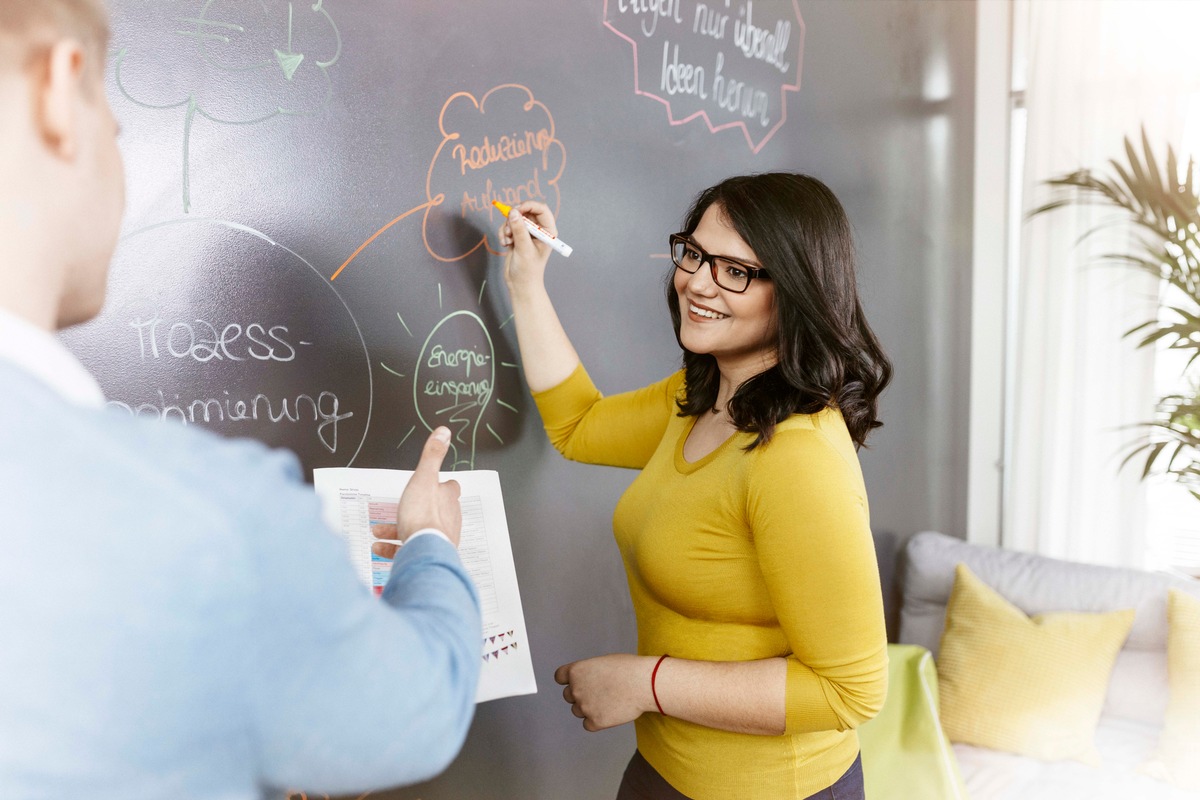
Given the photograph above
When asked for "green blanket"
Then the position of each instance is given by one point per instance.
(905, 754)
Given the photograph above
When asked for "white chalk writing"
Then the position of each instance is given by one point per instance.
(181, 340)
(681, 78)
(655, 8)
(324, 411)
(739, 97)
(709, 22)
(761, 43)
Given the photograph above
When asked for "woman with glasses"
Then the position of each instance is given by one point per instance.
(746, 537)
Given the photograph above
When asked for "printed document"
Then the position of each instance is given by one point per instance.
(354, 500)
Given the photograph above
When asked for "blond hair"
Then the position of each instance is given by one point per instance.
(28, 25)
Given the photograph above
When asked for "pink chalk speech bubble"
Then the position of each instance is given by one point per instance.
(723, 62)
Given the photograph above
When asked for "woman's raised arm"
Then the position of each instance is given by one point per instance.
(547, 355)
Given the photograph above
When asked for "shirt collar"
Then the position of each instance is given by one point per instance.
(40, 354)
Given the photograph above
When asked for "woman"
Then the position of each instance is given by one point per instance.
(746, 537)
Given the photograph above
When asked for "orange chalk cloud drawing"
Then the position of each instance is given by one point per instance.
(501, 146)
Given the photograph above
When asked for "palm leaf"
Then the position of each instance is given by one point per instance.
(1141, 188)
(1162, 211)
(1158, 182)
(1172, 165)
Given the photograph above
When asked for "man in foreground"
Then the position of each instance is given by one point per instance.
(175, 619)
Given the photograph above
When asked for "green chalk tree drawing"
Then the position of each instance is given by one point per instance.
(232, 63)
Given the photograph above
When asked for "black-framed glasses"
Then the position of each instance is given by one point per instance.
(728, 273)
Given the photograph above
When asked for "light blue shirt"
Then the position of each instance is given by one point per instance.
(176, 621)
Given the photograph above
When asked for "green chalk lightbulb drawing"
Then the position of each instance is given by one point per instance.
(454, 382)
(253, 62)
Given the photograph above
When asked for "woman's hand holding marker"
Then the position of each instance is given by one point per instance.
(527, 257)
(541, 227)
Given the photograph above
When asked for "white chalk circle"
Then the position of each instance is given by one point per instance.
(212, 323)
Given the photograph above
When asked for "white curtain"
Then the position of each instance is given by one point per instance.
(1098, 70)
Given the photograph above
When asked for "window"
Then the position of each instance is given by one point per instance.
(1107, 68)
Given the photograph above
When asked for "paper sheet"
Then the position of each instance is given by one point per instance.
(356, 499)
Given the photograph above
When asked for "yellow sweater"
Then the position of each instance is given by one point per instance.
(736, 557)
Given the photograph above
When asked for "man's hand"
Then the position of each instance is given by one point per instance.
(426, 502)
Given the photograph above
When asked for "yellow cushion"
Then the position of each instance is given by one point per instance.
(1032, 686)
(1178, 758)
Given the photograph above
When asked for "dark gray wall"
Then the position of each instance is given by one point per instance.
(287, 178)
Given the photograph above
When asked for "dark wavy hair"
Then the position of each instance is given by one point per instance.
(828, 355)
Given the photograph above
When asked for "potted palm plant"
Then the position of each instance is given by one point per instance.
(1161, 204)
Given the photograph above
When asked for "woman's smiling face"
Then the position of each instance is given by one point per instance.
(740, 330)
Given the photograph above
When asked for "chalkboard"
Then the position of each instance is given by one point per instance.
(309, 254)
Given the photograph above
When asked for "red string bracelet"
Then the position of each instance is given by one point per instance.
(654, 675)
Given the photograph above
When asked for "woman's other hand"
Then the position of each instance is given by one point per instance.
(608, 690)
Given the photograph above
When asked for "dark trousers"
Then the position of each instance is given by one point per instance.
(642, 782)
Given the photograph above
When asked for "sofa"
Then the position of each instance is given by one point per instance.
(906, 754)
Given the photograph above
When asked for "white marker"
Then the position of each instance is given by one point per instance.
(537, 231)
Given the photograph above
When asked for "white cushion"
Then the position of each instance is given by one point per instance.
(1123, 746)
